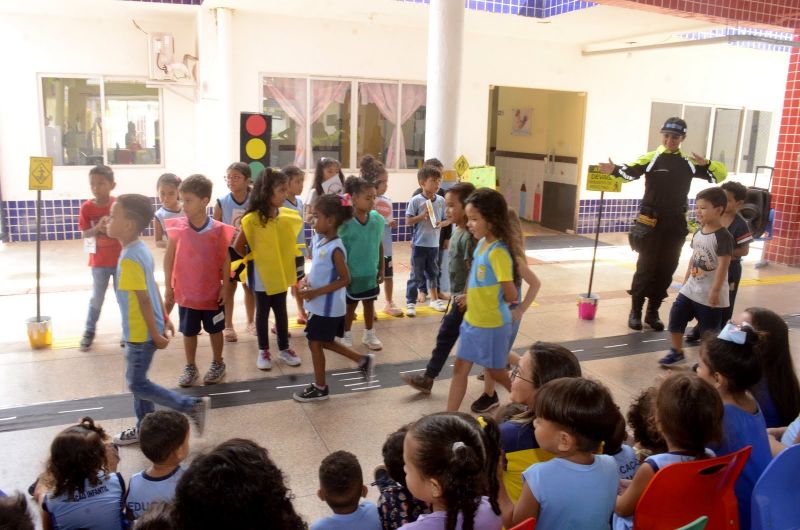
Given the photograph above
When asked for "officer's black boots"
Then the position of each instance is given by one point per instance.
(635, 318)
(651, 318)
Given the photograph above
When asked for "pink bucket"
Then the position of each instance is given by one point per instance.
(587, 306)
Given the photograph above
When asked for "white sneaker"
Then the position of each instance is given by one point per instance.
(289, 357)
(438, 305)
(411, 310)
(127, 437)
(264, 361)
(347, 339)
(371, 341)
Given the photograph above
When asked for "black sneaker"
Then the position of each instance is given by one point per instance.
(485, 403)
(86, 340)
(367, 367)
(311, 393)
(420, 382)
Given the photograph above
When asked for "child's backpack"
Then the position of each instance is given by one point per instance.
(757, 205)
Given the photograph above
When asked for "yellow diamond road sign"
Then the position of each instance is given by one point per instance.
(461, 166)
(40, 176)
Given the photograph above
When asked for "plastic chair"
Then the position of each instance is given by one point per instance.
(700, 524)
(683, 492)
(527, 524)
(776, 495)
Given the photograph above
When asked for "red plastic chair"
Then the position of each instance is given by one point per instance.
(681, 493)
(527, 524)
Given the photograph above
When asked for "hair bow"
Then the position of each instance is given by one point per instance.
(734, 333)
(345, 198)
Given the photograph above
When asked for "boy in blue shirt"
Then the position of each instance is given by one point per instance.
(341, 485)
(425, 213)
(144, 322)
(164, 439)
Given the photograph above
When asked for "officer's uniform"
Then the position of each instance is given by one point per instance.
(668, 176)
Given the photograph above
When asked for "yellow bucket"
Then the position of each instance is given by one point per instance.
(40, 332)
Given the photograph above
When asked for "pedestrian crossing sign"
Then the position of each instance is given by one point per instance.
(40, 175)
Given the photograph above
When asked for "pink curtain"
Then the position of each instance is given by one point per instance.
(290, 94)
(384, 96)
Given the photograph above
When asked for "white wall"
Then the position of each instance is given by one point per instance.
(83, 45)
(619, 88)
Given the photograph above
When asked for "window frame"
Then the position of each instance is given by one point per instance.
(354, 104)
(740, 138)
(103, 80)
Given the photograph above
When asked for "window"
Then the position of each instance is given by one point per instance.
(132, 124)
(717, 132)
(726, 136)
(91, 121)
(756, 137)
(336, 119)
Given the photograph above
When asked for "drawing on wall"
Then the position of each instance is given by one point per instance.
(521, 123)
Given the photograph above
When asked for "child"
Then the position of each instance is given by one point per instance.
(641, 418)
(325, 296)
(14, 513)
(543, 362)
(328, 178)
(730, 364)
(425, 212)
(737, 226)
(447, 463)
(103, 250)
(230, 209)
(362, 237)
(396, 505)
(293, 201)
(341, 486)
(270, 232)
(167, 187)
(702, 296)
(778, 391)
(144, 324)
(462, 245)
(488, 400)
(383, 205)
(625, 456)
(689, 415)
(486, 328)
(576, 489)
(83, 488)
(164, 439)
(196, 267)
(235, 485)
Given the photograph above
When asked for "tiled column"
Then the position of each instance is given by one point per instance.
(785, 245)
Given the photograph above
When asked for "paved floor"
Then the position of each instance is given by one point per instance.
(42, 391)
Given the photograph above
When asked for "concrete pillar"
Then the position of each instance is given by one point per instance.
(785, 244)
(227, 120)
(445, 45)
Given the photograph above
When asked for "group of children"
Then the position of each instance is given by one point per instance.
(559, 453)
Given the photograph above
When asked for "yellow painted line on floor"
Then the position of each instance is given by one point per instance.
(770, 280)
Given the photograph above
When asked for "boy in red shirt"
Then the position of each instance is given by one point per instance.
(196, 267)
(103, 250)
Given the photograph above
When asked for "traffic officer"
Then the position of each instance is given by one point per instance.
(660, 230)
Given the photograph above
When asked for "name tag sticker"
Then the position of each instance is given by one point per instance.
(90, 245)
(219, 317)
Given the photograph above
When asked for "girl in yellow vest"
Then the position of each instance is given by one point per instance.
(268, 242)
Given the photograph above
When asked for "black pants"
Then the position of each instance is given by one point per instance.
(276, 302)
(658, 258)
(734, 277)
(445, 340)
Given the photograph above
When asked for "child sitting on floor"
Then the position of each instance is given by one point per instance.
(341, 486)
(396, 505)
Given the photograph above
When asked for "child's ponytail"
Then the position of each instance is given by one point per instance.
(459, 487)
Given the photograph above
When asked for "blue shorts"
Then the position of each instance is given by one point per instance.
(684, 309)
(212, 320)
(487, 347)
(324, 329)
